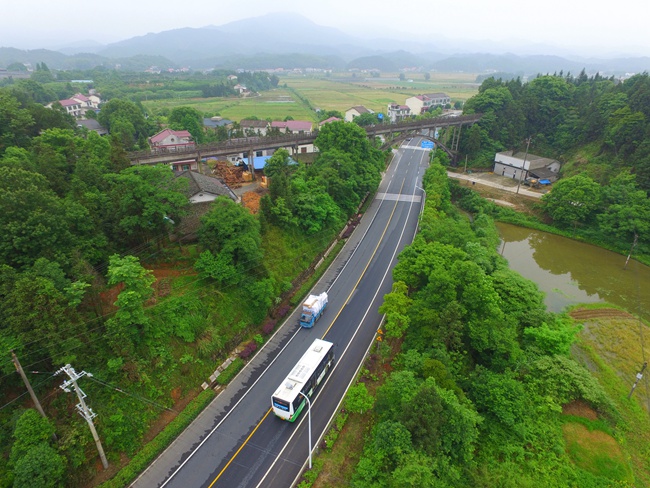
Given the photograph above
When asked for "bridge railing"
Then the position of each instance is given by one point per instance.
(246, 143)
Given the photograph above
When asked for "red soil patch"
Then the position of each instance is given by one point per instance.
(251, 200)
(580, 408)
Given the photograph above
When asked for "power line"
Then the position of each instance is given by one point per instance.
(325, 237)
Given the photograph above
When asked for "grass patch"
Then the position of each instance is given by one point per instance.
(311, 281)
(610, 348)
(596, 452)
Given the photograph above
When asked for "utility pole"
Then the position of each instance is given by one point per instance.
(82, 408)
(523, 166)
(639, 375)
(19, 368)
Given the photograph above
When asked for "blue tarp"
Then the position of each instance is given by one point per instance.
(544, 182)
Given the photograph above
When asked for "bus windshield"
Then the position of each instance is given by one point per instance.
(281, 404)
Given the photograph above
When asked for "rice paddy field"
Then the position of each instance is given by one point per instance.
(299, 96)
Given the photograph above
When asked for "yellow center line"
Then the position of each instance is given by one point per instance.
(242, 446)
(328, 329)
(368, 263)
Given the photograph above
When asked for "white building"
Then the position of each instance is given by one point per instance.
(420, 104)
(353, 112)
(511, 165)
(397, 113)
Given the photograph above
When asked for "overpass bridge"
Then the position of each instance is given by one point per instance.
(391, 132)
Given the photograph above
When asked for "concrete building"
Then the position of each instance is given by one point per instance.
(397, 112)
(512, 164)
(355, 111)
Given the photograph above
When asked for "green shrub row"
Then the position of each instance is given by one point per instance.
(230, 372)
(152, 449)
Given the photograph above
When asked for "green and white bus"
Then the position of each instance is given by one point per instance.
(287, 401)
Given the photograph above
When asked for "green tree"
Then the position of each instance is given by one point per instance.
(33, 220)
(15, 122)
(627, 210)
(396, 306)
(144, 199)
(189, 119)
(366, 119)
(130, 324)
(125, 120)
(358, 399)
(230, 237)
(41, 466)
(31, 430)
(572, 200)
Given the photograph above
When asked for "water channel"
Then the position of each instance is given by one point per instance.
(572, 272)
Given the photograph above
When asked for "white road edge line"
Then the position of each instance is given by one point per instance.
(259, 378)
(337, 363)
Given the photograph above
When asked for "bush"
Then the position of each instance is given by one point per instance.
(250, 348)
(269, 326)
(283, 310)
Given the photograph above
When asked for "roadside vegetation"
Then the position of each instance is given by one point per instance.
(95, 271)
(475, 384)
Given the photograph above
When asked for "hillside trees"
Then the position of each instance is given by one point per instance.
(564, 113)
(145, 199)
(231, 239)
(189, 119)
(321, 196)
(572, 200)
(476, 387)
(125, 120)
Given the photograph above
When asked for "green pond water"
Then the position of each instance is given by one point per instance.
(571, 272)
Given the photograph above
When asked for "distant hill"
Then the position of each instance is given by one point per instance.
(285, 40)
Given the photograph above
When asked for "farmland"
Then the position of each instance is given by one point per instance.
(298, 96)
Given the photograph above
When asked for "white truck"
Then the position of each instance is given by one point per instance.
(312, 309)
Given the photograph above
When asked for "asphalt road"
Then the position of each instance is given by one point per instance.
(237, 441)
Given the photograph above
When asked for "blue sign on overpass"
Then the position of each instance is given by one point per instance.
(427, 145)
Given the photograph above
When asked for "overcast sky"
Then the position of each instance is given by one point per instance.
(592, 27)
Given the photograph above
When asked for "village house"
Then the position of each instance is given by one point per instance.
(327, 121)
(254, 127)
(353, 112)
(420, 104)
(78, 104)
(168, 140)
(511, 165)
(397, 112)
(292, 126)
(204, 188)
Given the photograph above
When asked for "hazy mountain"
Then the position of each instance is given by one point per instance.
(285, 40)
(85, 46)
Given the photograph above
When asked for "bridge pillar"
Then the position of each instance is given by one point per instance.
(251, 162)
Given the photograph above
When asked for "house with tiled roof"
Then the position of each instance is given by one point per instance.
(254, 127)
(327, 121)
(355, 111)
(397, 112)
(420, 104)
(292, 126)
(204, 188)
(71, 106)
(78, 104)
(168, 140)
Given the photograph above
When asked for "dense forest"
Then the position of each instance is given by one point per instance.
(81, 235)
(598, 128)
